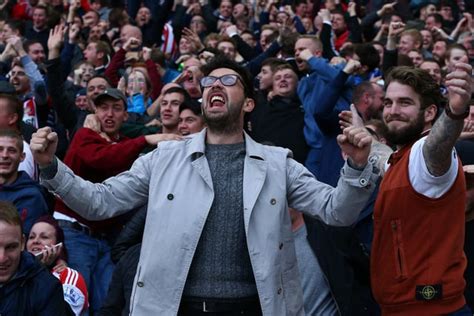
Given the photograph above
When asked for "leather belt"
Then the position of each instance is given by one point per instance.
(221, 306)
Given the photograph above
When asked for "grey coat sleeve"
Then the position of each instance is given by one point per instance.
(98, 201)
(338, 206)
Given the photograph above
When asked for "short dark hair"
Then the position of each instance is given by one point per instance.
(420, 81)
(28, 43)
(14, 106)
(368, 55)
(437, 17)
(16, 25)
(360, 89)
(40, 6)
(11, 133)
(432, 60)
(9, 214)
(177, 90)
(273, 63)
(285, 66)
(451, 47)
(223, 62)
(191, 105)
(102, 77)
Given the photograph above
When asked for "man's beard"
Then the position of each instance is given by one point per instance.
(373, 114)
(224, 123)
(407, 134)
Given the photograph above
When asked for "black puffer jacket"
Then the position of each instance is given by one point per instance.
(33, 291)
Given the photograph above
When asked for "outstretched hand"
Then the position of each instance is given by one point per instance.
(56, 37)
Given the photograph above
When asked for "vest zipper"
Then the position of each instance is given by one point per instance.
(398, 248)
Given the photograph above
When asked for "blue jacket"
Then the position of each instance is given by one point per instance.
(137, 104)
(324, 158)
(33, 291)
(28, 198)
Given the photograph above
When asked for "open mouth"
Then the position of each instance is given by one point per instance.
(35, 250)
(217, 100)
(109, 123)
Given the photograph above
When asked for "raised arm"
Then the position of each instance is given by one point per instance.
(325, 112)
(94, 201)
(338, 206)
(440, 142)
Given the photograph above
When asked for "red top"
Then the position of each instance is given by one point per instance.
(341, 39)
(74, 288)
(417, 260)
(93, 158)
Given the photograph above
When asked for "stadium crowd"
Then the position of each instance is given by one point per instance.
(225, 157)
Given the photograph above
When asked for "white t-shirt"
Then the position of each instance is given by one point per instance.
(422, 180)
(28, 164)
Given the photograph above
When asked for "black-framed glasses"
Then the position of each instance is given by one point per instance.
(226, 80)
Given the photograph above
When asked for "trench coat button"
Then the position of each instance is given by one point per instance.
(170, 196)
(140, 284)
(273, 201)
(363, 182)
(279, 291)
(281, 246)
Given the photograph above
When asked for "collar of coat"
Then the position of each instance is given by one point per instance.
(197, 146)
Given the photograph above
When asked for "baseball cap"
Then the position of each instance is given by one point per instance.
(111, 93)
(81, 92)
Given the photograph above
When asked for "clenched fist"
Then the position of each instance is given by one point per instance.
(43, 145)
(355, 142)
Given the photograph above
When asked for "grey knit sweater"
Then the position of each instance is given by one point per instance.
(221, 266)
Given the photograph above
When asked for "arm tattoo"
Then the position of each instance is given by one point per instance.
(439, 144)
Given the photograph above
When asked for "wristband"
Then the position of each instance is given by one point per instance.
(456, 117)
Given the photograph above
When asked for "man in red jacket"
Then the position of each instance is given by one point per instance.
(96, 157)
(417, 260)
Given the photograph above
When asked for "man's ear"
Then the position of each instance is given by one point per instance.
(12, 119)
(100, 55)
(430, 113)
(249, 105)
(22, 156)
(125, 117)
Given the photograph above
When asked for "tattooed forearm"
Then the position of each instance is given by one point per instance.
(439, 144)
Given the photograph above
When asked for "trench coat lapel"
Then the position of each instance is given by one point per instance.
(255, 172)
(196, 150)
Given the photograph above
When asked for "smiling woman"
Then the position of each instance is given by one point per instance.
(46, 242)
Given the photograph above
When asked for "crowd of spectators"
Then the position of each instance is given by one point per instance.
(115, 78)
